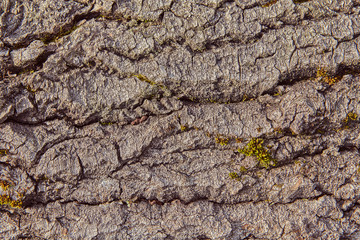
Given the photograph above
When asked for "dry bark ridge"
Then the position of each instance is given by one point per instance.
(123, 119)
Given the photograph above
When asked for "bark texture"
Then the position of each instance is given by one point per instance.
(128, 119)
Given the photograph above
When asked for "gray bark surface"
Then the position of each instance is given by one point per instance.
(124, 119)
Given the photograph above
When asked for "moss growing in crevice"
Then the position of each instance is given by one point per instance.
(143, 78)
(255, 148)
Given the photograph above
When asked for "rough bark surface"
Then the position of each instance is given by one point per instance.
(123, 119)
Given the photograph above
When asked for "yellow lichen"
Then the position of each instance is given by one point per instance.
(3, 152)
(350, 117)
(4, 185)
(107, 123)
(278, 130)
(245, 97)
(322, 73)
(292, 132)
(255, 148)
(234, 175)
(222, 140)
(30, 89)
(243, 169)
(5, 198)
(297, 162)
(183, 128)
